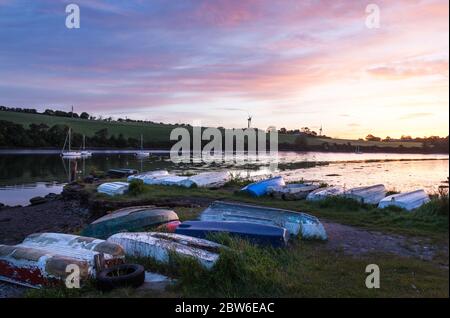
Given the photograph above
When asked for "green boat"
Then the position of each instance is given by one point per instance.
(129, 219)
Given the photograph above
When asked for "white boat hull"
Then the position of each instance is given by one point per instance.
(113, 188)
(159, 246)
(323, 193)
(408, 201)
(368, 195)
(211, 179)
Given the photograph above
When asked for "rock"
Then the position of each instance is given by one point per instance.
(52, 196)
(38, 200)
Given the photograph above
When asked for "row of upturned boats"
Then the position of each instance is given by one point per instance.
(275, 187)
(149, 231)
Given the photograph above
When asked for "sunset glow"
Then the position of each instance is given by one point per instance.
(288, 63)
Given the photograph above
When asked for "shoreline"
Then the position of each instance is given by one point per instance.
(94, 150)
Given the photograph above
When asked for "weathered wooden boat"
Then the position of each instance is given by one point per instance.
(42, 259)
(121, 172)
(408, 200)
(113, 188)
(159, 245)
(256, 233)
(129, 220)
(323, 193)
(296, 191)
(214, 179)
(308, 226)
(259, 188)
(149, 175)
(369, 195)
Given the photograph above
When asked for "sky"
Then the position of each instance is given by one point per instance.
(289, 63)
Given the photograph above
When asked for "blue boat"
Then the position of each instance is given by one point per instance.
(309, 227)
(256, 233)
(259, 188)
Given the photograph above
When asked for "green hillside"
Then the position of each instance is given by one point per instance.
(155, 132)
(161, 132)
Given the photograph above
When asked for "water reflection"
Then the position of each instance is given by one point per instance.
(29, 175)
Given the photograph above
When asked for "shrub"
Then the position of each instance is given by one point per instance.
(136, 187)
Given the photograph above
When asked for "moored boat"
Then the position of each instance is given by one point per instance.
(259, 188)
(369, 195)
(129, 220)
(323, 193)
(296, 223)
(256, 233)
(159, 246)
(142, 153)
(113, 188)
(408, 200)
(42, 259)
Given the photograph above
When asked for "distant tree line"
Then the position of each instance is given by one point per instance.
(42, 136)
(83, 115)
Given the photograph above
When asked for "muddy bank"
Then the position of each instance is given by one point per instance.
(67, 216)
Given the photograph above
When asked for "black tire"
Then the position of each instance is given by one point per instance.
(124, 275)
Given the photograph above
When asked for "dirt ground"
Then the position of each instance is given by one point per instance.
(55, 216)
(69, 217)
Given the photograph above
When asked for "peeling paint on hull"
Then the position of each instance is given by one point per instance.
(159, 246)
(42, 259)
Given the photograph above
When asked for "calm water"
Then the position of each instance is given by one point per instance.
(24, 175)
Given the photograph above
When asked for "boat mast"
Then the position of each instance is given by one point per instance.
(84, 142)
(142, 143)
(69, 139)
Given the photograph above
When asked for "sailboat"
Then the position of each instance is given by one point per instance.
(84, 152)
(141, 153)
(69, 153)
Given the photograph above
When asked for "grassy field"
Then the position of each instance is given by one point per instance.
(155, 132)
(304, 268)
(161, 132)
(317, 141)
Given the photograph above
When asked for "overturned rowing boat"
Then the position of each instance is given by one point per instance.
(149, 175)
(259, 188)
(296, 191)
(113, 188)
(215, 179)
(121, 172)
(323, 193)
(308, 226)
(254, 232)
(129, 220)
(369, 195)
(48, 258)
(171, 180)
(160, 245)
(408, 201)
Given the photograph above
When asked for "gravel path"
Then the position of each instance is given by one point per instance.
(355, 241)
